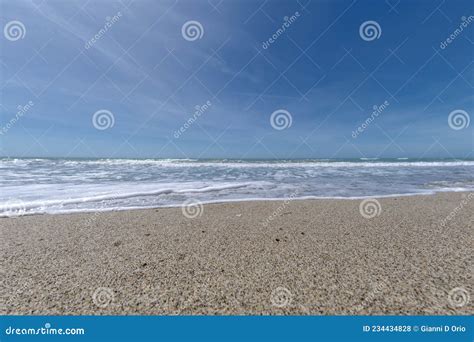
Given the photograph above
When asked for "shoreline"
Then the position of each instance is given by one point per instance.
(244, 200)
(290, 257)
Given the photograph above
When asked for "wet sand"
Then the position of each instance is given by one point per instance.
(320, 257)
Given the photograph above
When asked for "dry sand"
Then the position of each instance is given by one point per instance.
(314, 257)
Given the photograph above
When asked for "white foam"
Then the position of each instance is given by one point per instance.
(240, 200)
(57, 186)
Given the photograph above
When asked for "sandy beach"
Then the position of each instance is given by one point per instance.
(318, 257)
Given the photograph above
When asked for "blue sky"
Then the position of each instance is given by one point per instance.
(320, 70)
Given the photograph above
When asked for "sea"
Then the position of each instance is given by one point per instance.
(54, 186)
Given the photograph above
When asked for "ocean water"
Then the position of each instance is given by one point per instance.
(75, 185)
